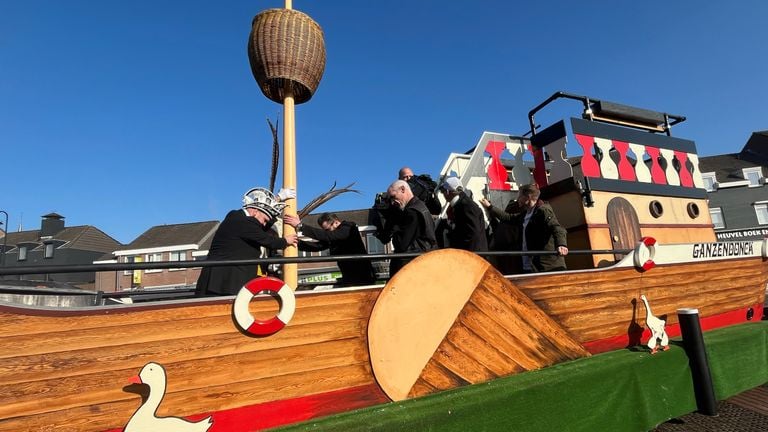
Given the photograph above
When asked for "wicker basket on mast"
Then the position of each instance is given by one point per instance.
(286, 47)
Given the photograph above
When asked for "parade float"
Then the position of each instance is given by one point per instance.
(449, 343)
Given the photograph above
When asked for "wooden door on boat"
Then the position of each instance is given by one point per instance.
(623, 225)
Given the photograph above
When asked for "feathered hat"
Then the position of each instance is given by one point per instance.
(262, 199)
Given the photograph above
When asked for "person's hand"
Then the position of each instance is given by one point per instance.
(286, 193)
(292, 220)
(485, 203)
(562, 250)
(292, 239)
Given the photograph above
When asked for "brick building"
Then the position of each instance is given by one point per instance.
(179, 242)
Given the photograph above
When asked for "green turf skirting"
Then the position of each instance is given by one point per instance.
(626, 390)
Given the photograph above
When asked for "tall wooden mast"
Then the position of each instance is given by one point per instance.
(287, 56)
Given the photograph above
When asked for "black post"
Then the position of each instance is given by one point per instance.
(693, 343)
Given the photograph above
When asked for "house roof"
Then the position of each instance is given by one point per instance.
(756, 148)
(728, 167)
(84, 237)
(198, 233)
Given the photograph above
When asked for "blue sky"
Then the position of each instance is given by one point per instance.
(126, 115)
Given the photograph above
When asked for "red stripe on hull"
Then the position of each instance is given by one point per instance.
(278, 413)
(634, 338)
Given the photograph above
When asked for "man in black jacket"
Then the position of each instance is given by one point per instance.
(464, 218)
(537, 230)
(410, 225)
(241, 235)
(341, 238)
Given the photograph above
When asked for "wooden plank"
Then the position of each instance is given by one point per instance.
(421, 388)
(507, 344)
(579, 283)
(149, 330)
(584, 282)
(18, 321)
(480, 349)
(522, 306)
(113, 415)
(586, 330)
(538, 337)
(107, 386)
(457, 361)
(438, 378)
(50, 366)
(24, 320)
(590, 315)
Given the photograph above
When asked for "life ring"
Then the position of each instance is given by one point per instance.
(272, 286)
(644, 254)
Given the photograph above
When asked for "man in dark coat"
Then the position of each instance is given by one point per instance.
(465, 221)
(340, 238)
(241, 235)
(410, 226)
(539, 230)
(505, 236)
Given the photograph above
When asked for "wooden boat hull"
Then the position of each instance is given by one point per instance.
(603, 312)
(69, 369)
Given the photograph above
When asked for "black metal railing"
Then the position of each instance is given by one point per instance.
(80, 268)
(188, 291)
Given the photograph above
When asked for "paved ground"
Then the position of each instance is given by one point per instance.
(746, 412)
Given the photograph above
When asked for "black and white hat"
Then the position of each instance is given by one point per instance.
(262, 199)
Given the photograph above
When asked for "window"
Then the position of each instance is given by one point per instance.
(375, 246)
(717, 218)
(761, 210)
(314, 253)
(130, 260)
(710, 181)
(49, 247)
(754, 175)
(154, 257)
(178, 256)
(22, 253)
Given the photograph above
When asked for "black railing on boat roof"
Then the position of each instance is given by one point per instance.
(596, 109)
(80, 268)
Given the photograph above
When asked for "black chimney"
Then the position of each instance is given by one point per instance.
(52, 224)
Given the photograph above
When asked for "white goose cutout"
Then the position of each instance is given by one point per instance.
(145, 418)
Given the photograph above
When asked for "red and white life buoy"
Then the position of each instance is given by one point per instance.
(644, 253)
(270, 285)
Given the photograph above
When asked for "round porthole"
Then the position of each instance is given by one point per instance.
(656, 209)
(693, 210)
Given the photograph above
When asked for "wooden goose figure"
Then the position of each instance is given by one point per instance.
(656, 326)
(145, 418)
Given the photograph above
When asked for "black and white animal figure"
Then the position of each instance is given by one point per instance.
(659, 338)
